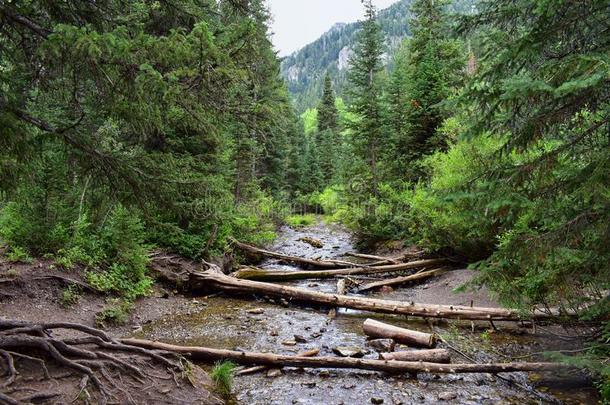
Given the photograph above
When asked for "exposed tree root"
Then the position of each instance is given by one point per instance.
(93, 354)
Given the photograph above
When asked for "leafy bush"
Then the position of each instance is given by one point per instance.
(18, 254)
(298, 221)
(70, 296)
(115, 312)
(256, 221)
(122, 241)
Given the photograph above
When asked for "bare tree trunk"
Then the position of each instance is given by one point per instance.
(433, 356)
(279, 275)
(307, 263)
(380, 330)
(216, 281)
(402, 280)
(256, 369)
(250, 358)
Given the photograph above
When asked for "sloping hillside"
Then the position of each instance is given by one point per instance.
(304, 70)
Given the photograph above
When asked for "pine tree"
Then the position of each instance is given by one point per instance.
(328, 116)
(365, 90)
(427, 72)
(328, 132)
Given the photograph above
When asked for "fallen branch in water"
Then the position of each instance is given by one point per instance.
(380, 330)
(301, 261)
(392, 366)
(280, 275)
(214, 280)
(402, 280)
(433, 356)
(256, 369)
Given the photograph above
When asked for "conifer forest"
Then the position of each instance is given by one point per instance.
(413, 209)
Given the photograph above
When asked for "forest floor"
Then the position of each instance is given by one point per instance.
(268, 325)
(33, 292)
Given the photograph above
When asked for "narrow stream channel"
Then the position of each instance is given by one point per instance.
(224, 322)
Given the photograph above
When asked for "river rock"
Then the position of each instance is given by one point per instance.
(447, 396)
(289, 342)
(255, 311)
(299, 339)
(312, 242)
(348, 351)
(382, 345)
(375, 400)
(274, 372)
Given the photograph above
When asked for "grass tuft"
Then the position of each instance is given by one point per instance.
(222, 375)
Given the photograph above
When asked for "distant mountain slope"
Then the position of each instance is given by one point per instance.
(304, 70)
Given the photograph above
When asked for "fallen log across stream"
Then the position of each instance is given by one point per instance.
(280, 275)
(380, 330)
(402, 280)
(433, 356)
(215, 281)
(300, 261)
(209, 355)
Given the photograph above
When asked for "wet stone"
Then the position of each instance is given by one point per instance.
(382, 345)
(274, 372)
(348, 351)
(447, 396)
(376, 400)
(299, 339)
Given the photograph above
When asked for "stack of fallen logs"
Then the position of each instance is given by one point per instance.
(257, 281)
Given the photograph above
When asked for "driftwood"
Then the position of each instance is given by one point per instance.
(402, 280)
(216, 281)
(306, 263)
(256, 369)
(377, 259)
(279, 275)
(432, 356)
(392, 366)
(380, 330)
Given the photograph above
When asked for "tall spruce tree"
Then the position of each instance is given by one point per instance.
(328, 115)
(426, 73)
(365, 90)
(328, 131)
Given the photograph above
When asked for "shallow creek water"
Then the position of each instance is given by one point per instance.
(223, 322)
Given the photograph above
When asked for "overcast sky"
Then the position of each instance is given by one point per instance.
(299, 22)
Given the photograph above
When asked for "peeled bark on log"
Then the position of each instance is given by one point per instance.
(377, 259)
(307, 263)
(217, 281)
(274, 360)
(271, 275)
(341, 288)
(380, 330)
(256, 369)
(402, 280)
(432, 356)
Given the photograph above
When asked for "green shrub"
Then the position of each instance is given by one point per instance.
(122, 241)
(222, 375)
(17, 254)
(115, 312)
(256, 221)
(298, 221)
(70, 296)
